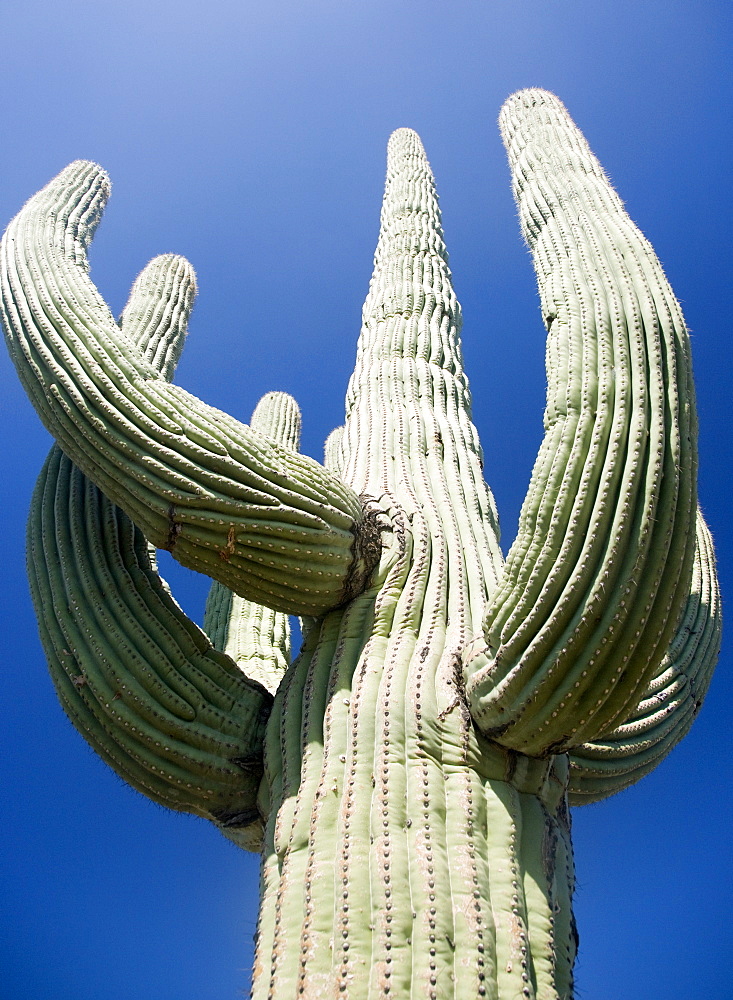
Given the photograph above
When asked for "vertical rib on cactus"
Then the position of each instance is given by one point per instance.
(256, 637)
(597, 576)
(271, 524)
(138, 679)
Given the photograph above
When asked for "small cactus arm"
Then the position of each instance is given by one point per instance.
(255, 636)
(421, 752)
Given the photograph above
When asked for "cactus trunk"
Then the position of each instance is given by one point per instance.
(405, 856)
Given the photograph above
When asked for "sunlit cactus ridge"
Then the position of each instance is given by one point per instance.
(407, 776)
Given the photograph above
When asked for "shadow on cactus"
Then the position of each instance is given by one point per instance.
(407, 777)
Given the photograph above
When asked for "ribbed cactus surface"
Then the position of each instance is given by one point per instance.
(408, 776)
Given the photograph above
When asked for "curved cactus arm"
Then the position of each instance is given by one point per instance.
(271, 524)
(256, 637)
(143, 685)
(170, 714)
(596, 579)
(671, 701)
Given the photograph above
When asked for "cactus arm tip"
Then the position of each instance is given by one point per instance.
(158, 310)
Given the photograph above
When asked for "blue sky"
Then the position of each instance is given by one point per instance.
(251, 138)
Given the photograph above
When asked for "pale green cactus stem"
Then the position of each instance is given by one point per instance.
(223, 499)
(421, 751)
(256, 637)
(374, 701)
(671, 701)
(600, 569)
(179, 721)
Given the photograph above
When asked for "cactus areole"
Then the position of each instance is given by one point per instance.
(408, 777)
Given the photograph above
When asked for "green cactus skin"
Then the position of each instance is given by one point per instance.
(257, 638)
(422, 750)
(599, 571)
(223, 499)
(140, 681)
(671, 701)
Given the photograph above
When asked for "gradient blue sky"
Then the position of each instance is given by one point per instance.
(251, 137)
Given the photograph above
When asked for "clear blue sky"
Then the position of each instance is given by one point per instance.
(250, 137)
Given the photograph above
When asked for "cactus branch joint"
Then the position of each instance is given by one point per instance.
(407, 777)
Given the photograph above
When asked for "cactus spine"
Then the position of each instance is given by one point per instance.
(408, 776)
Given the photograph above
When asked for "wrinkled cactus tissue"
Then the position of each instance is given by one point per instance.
(407, 777)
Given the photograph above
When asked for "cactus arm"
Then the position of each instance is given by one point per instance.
(256, 637)
(271, 524)
(598, 574)
(156, 316)
(155, 320)
(671, 701)
(170, 714)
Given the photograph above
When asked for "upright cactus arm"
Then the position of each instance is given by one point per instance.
(175, 718)
(332, 448)
(155, 319)
(671, 701)
(273, 525)
(256, 637)
(597, 577)
(156, 316)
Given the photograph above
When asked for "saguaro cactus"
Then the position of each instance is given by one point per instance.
(407, 778)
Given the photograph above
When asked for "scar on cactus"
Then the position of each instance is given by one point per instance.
(407, 777)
